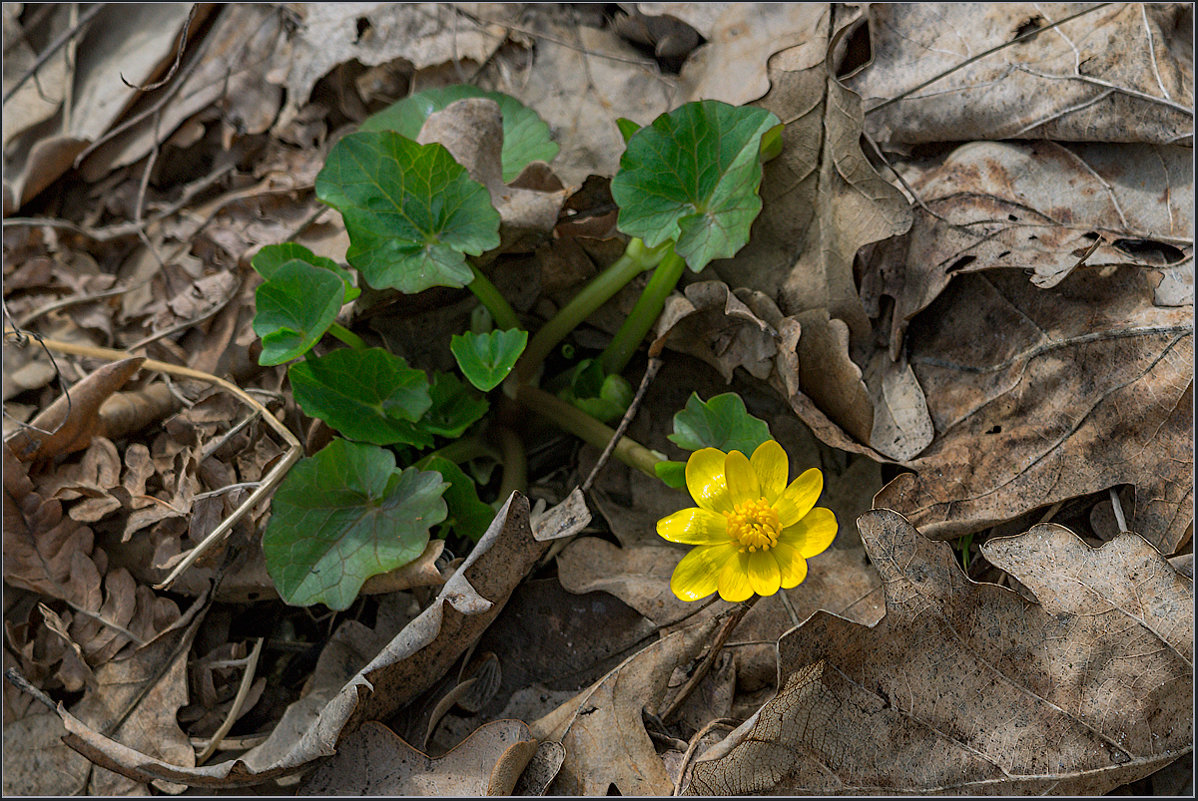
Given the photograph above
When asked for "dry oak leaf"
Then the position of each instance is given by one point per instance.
(1123, 72)
(376, 761)
(602, 728)
(1047, 209)
(823, 202)
(1042, 395)
(971, 688)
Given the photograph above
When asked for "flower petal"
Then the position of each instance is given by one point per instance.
(742, 481)
(813, 534)
(697, 575)
(797, 499)
(694, 527)
(734, 583)
(706, 481)
(764, 576)
(791, 563)
(770, 464)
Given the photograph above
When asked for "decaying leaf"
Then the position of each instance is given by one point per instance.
(1123, 72)
(1071, 390)
(823, 202)
(375, 761)
(970, 688)
(602, 728)
(1045, 208)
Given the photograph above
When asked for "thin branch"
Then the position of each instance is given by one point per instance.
(54, 47)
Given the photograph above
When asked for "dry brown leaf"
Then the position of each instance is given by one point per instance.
(1045, 208)
(970, 688)
(823, 203)
(37, 763)
(133, 44)
(602, 728)
(741, 37)
(1069, 390)
(1123, 73)
(375, 761)
(72, 420)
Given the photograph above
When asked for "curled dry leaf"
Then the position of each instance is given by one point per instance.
(1045, 208)
(1121, 73)
(970, 688)
(1071, 390)
(414, 660)
(472, 131)
(74, 418)
(602, 728)
(824, 202)
(376, 761)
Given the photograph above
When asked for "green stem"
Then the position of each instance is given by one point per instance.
(636, 259)
(515, 465)
(348, 337)
(644, 314)
(575, 421)
(462, 450)
(502, 311)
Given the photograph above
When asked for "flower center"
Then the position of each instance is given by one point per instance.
(754, 524)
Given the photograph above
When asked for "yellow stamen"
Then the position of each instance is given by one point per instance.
(754, 524)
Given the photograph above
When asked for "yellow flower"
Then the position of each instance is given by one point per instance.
(754, 533)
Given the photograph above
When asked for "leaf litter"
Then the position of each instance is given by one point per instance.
(861, 323)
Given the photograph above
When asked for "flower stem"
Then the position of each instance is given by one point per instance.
(636, 259)
(490, 296)
(575, 421)
(644, 314)
(515, 465)
(463, 450)
(348, 337)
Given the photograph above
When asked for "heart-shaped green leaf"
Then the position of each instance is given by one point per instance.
(344, 515)
(525, 135)
(604, 397)
(367, 395)
(411, 211)
(295, 307)
(455, 408)
(486, 359)
(270, 258)
(692, 176)
(722, 422)
(468, 516)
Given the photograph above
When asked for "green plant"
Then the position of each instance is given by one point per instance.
(410, 440)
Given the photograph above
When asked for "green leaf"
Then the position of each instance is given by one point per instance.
(672, 473)
(692, 176)
(295, 307)
(627, 128)
(270, 258)
(367, 395)
(722, 422)
(455, 408)
(411, 211)
(344, 515)
(486, 359)
(604, 397)
(468, 516)
(525, 135)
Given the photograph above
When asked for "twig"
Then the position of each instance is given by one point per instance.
(191, 15)
(243, 691)
(16, 679)
(701, 671)
(651, 369)
(54, 47)
(294, 448)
